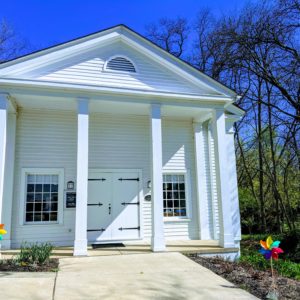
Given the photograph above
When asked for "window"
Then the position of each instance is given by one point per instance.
(120, 63)
(174, 195)
(43, 196)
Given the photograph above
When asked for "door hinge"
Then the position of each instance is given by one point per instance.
(129, 179)
(96, 179)
(129, 228)
(130, 203)
(101, 229)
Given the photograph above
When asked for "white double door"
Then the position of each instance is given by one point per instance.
(113, 206)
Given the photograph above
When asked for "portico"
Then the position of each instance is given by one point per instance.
(150, 161)
(197, 115)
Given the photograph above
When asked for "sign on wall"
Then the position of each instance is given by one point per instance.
(70, 199)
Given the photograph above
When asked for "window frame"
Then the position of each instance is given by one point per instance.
(119, 71)
(186, 174)
(42, 171)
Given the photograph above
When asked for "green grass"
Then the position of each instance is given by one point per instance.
(285, 266)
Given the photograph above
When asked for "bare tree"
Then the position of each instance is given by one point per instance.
(169, 34)
(256, 52)
(202, 54)
(11, 45)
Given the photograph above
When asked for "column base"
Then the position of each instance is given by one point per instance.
(158, 244)
(80, 248)
(205, 235)
(227, 241)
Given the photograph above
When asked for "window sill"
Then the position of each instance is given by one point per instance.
(174, 219)
(42, 224)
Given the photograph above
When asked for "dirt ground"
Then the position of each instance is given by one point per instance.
(10, 266)
(255, 282)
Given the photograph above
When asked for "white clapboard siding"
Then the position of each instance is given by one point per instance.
(215, 220)
(178, 154)
(48, 139)
(44, 139)
(88, 69)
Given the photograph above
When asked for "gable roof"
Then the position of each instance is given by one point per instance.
(129, 36)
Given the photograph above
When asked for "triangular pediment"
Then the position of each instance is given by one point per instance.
(83, 62)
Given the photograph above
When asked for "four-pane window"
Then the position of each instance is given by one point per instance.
(174, 195)
(41, 198)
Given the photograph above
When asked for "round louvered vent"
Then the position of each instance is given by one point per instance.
(120, 64)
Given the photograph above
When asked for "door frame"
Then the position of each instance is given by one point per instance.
(140, 195)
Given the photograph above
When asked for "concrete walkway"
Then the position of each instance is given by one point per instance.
(137, 276)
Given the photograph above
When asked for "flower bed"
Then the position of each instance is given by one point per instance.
(32, 258)
(12, 265)
(255, 281)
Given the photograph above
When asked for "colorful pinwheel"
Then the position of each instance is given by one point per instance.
(2, 231)
(270, 249)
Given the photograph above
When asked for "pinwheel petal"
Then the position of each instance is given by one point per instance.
(268, 254)
(269, 242)
(263, 251)
(3, 231)
(275, 244)
(1, 226)
(275, 255)
(0, 237)
(277, 250)
(263, 244)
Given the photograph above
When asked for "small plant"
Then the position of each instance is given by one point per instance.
(37, 253)
(40, 253)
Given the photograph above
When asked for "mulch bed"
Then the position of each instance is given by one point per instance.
(246, 277)
(10, 265)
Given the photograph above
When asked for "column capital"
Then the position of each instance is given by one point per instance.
(7, 102)
(217, 113)
(4, 95)
(198, 127)
(4, 100)
(83, 105)
(203, 118)
(155, 109)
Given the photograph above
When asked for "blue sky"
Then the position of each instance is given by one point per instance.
(47, 22)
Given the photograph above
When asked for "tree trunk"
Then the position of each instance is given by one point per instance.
(263, 225)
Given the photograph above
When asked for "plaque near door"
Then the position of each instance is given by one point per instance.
(70, 199)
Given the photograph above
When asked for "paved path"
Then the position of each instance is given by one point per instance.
(29, 286)
(137, 276)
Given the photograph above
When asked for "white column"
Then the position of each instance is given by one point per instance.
(158, 239)
(226, 228)
(9, 179)
(232, 181)
(3, 140)
(202, 171)
(80, 244)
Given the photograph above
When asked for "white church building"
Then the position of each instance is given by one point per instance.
(110, 138)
